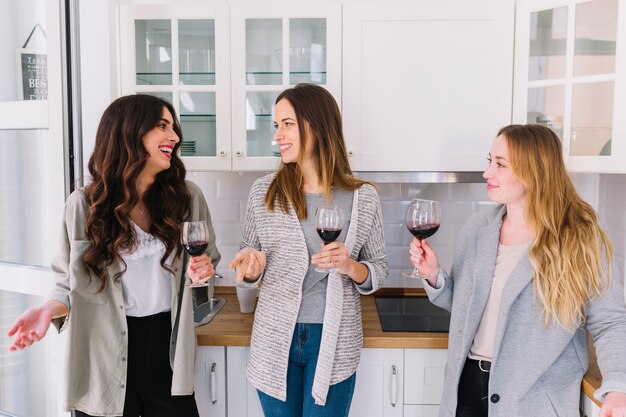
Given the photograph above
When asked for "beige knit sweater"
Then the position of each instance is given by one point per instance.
(281, 237)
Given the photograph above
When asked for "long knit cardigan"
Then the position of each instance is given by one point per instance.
(281, 237)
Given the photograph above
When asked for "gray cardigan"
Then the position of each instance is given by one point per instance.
(536, 371)
(281, 237)
(96, 324)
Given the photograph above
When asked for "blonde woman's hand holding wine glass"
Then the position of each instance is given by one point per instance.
(423, 218)
(425, 260)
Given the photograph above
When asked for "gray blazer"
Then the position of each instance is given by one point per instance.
(96, 323)
(536, 371)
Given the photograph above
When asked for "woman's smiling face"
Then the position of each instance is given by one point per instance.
(159, 143)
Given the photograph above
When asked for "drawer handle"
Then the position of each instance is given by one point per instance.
(394, 385)
(213, 387)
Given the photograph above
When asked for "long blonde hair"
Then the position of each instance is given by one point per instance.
(319, 120)
(571, 254)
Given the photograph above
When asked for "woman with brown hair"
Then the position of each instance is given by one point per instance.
(307, 335)
(530, 278)
(120, 271)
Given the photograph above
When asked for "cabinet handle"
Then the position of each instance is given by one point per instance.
(222, 152)
(213, 384)
(394, 384)
(238, 153)
(350, 153)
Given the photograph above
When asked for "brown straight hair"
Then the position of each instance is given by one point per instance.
(320, 127)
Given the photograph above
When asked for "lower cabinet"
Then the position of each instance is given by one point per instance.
(210, 381)
(412, 410)
(389, 383)
(243, 400)
(424, 371)
(379, 384)
(587, 407)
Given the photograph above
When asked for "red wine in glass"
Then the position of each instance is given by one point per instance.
(195, 241)
(423, 218)
(424, 231)
(196, 247)
(328, 222)
(328, 235)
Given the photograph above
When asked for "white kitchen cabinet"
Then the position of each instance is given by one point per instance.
(412, 410)
(276, 45)
(222, 68)
(424, 371)
(587, 407)
(243, 400)
(379, 380)
(570, 75)
(426, 85)
(182, 54)
(210, 381)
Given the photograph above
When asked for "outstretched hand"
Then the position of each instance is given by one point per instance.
(249, 263)
(30, 327)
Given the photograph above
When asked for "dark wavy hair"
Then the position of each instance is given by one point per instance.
(115, 164)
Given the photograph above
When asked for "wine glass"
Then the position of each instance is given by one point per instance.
(328, 223)
(195, 242)
(423, 218)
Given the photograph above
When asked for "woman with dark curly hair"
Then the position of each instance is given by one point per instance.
(120, 271)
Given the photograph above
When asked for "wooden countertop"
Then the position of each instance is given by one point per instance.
(233, 328)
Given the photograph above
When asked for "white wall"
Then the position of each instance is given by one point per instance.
(612, 211)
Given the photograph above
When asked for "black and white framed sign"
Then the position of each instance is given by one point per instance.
(32, 74)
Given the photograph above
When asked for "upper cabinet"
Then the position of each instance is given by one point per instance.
(182, 54)
(426, 85)
(275, 46)
(223, 67)
(570, 70)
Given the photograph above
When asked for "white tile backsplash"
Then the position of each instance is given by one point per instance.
(227, 196)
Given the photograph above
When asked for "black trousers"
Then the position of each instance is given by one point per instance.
(473, 394)
(149, 377)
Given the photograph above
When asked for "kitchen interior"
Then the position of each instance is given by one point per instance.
(423, 87)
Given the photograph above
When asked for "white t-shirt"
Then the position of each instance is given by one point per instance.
(146, 286)
(507, 259)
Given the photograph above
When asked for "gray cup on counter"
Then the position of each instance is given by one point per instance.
(246, 295)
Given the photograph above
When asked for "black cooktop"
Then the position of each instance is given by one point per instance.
(411, 314)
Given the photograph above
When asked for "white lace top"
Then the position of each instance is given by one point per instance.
(147, 287)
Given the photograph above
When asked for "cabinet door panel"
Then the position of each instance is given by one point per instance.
(424, 375)
(426, 88)
(421, 410)
(210, 391)
(243, 399)
(374, 395)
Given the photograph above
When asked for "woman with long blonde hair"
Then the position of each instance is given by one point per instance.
(307, 335)
(530, 278)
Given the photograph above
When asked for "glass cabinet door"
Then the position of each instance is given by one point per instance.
(274, 50)
(176, 55)
(567, 77)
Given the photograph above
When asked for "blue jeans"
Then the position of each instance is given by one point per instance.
(305, 348)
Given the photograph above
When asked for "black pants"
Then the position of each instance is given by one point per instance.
(473, 395)
(149, 377)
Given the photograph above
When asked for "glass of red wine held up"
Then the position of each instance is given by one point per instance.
(195, 241)
(328, 222)
(423, 218)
